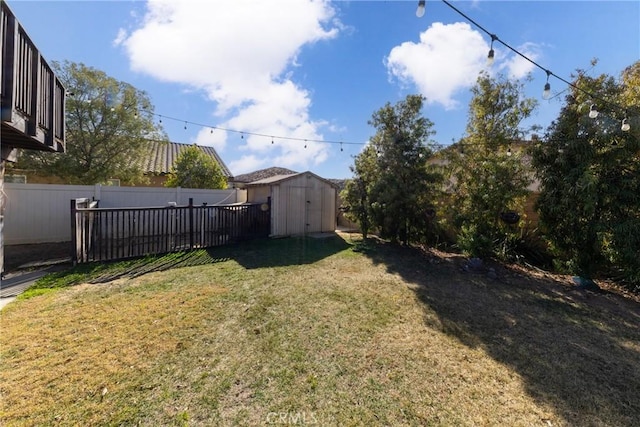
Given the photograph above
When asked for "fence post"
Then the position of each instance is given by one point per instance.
(97, 192)
(74, 238)
(190, 222)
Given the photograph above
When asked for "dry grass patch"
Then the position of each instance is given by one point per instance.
(311, 330)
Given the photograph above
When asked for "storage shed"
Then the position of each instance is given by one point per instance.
(301, 203)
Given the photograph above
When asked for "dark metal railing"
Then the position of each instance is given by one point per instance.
(103, 234)
(32, 96)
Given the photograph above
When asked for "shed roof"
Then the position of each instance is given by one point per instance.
(163, 154)
(280, 178)
(262, 174)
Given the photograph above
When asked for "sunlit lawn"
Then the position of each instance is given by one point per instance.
(312, 331)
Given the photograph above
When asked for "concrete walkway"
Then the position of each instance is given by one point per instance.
(26, 275)
(13, 286)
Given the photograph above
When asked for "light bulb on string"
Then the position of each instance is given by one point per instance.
(593, 111)
(625, 125)
(211, 131)
(341, 149)
(185, 125)
(509, 152)
(546, 93)
(271, 140)
(305, 143)
(420, 9)
(492, 53)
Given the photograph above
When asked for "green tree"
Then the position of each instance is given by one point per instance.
(108, 124)
(194, 169)
(393, 189)
(488, 177)
(356, 192)
(590, 177)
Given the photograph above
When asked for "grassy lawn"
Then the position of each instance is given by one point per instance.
(317, 331)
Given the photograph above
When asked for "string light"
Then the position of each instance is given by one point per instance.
(420, 9)
(549, 73)
(546, 93)
(625, 125)
(593, 113)
(243, 132)
(491, 55)
(185, 125)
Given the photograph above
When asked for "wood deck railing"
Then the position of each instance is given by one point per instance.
(104, 234)
(31, 95)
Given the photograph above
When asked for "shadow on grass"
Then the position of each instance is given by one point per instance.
(251, 254)
(577, 352)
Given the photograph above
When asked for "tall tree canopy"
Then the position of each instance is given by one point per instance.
(392, 189)
(488, 177)
(108, 123)
(194, 169)
(590, 176)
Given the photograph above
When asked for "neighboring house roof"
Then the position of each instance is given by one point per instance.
(340, 183)
(279, 178)
(163, 155)
(262, 174)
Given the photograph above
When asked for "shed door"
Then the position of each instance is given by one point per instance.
(295, 215)
(314, 208)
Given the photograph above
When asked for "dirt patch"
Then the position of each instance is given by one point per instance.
(19, 256)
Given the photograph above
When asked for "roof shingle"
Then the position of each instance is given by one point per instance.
(162, 155)
(262, 174)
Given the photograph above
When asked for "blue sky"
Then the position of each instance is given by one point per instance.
(317, 70)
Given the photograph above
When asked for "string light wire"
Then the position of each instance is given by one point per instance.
(244, 132)
(494, 38)
(549, 72)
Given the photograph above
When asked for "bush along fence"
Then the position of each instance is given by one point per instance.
(104, 234)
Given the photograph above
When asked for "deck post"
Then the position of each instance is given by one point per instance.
(74, 236)
(190, 222)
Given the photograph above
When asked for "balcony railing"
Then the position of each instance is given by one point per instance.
(32, 97)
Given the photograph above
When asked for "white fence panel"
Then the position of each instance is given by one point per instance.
(40, 213)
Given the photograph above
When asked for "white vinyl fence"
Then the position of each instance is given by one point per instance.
(40, 213)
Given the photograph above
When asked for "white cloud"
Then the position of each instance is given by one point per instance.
(120, 37)
(239, 52)
(212, 137)
(246, 164)
(447, 58)
(516, 66)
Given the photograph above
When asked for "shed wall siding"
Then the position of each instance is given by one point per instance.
(259, 194)
(301, 205)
